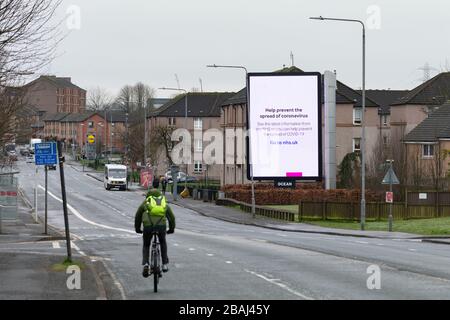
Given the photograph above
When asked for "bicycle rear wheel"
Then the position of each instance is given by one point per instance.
(155, 281)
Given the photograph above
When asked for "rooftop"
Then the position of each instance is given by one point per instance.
(435, 127)
(200, 104)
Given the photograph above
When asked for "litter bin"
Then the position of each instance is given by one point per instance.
(194, 193)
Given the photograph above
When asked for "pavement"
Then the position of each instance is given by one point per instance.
(30, 264)
(228, 214)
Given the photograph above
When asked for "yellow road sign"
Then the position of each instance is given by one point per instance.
(91, 138)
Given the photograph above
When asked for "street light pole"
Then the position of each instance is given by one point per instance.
(185, 120)
(363, 125)
(248, 107)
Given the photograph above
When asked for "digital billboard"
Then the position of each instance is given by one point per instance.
(284, 123)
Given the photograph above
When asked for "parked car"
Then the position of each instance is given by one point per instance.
(51, 167)
(24, 152)
(30, 158)
(181, 177)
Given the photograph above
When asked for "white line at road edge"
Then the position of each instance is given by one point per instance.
(79, 216)
(281, 285)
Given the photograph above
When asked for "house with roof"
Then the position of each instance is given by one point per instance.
(415, 106)
(428, 148)
(203, 113)
(384, 99)
(53, 94)
(348, 128)
(108, 127)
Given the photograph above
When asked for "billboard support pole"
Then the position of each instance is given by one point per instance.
(330, 129)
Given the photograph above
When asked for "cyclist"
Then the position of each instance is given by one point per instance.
(153, 213)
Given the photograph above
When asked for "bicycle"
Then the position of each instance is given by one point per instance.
(155, 261)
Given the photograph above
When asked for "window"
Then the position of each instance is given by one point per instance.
(198, 123)
(357, 116)
(356, 144)
(198, 166)
(198, 145)
(428, 150)
(91, 124)
(385, 120)
(172, 121)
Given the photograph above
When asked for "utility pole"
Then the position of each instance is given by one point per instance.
(363, 123)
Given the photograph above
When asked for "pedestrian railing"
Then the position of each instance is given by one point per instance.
(259, 210)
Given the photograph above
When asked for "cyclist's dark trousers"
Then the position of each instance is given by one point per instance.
(146, 248)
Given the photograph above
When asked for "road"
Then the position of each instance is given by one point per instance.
(213, 259)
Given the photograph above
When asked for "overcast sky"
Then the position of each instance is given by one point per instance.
(118, 42)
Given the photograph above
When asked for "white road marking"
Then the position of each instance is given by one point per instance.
(56, 245)
(362, 242)
(281, 285)
(175, 244)
(228, 262)
(380, 244)
(78, 249)
(412, 249)
(191, 249)
(210, 255)
(260, 240)
(79, 216)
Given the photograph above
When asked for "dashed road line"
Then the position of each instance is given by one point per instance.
(279, 284)
(56, 245)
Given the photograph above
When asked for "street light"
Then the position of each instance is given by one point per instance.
(185, 119)
(248, 107)
(363, 126)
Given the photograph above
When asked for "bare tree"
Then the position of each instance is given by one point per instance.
(28, 37)
(376, 164)
(161, 138)
(134, 100)
(98, 99)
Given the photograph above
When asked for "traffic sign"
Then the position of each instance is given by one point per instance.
(390, 177)
(45, 153)
(91, 138)
(389, 197)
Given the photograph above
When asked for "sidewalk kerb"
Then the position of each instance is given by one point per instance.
(332, 233)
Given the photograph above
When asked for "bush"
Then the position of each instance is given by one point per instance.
(269, 195)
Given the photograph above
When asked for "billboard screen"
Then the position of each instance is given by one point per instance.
(284, 122)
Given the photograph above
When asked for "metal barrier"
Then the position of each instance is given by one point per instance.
(8, 197)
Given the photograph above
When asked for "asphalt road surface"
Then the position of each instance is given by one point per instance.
(213, 259)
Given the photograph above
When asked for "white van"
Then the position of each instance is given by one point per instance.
(32, 143)
(115, 176)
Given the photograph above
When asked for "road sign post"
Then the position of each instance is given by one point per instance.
(64, 198)
(45, 155)
(390, 178)
(46, 200)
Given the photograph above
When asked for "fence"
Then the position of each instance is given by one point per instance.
(259, 210)
(8, 197)
(374, 210)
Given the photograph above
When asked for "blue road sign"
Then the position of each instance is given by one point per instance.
(45, 153)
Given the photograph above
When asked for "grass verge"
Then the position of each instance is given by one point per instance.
(428, 227)
(60, 267)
